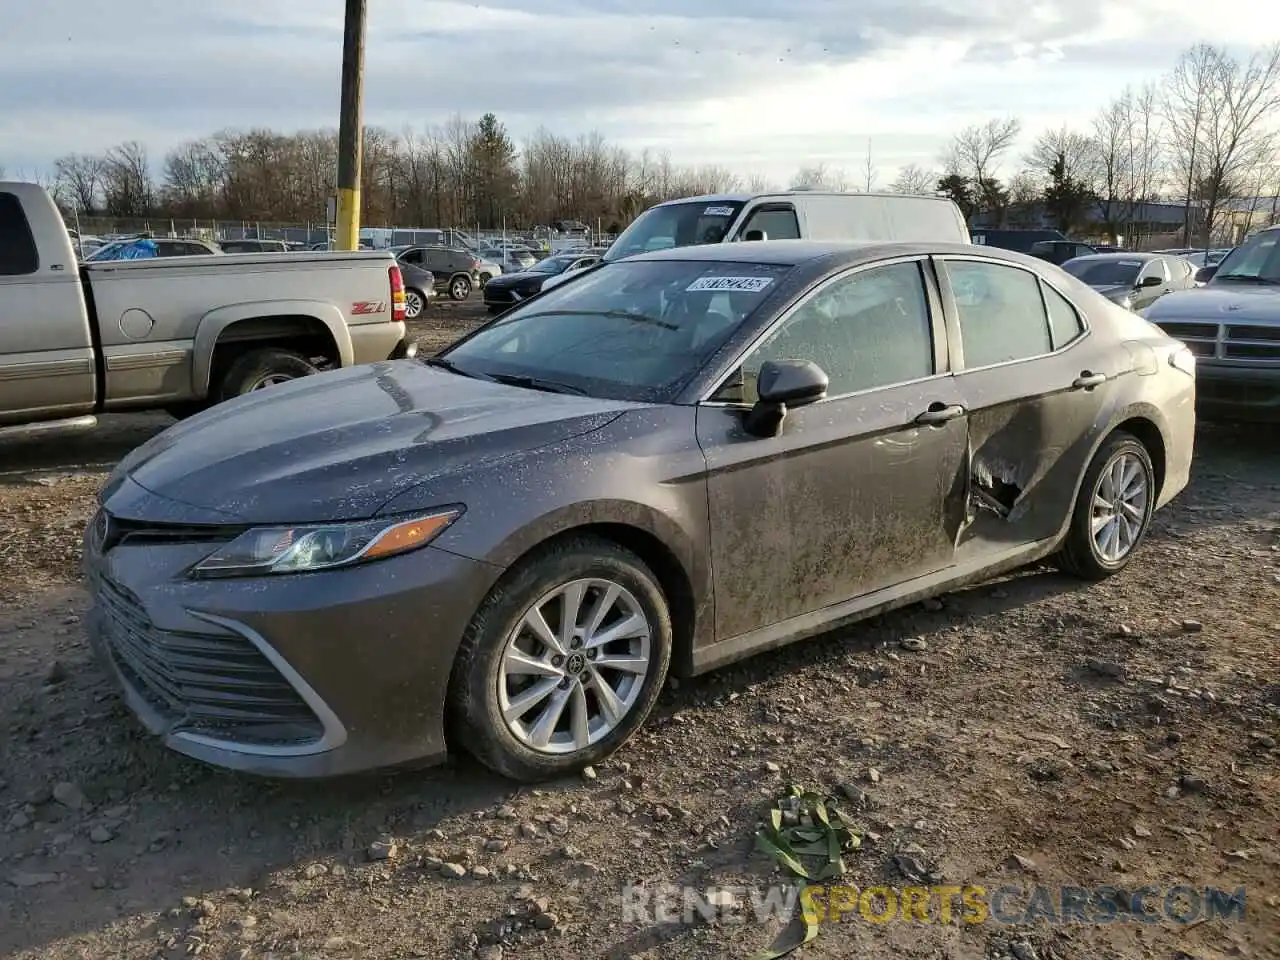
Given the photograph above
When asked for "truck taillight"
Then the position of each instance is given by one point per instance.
(397, 293)
(475, 264)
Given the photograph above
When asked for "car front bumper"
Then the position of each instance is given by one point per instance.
(306, 675)
(1249, 394)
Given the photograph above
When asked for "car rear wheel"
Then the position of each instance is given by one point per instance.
(414, 303)
(460, 288)
(1113, 510)
(563, 661)
(260, 369)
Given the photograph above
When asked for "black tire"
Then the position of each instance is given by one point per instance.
(1079, 554)
(459, 287)
(410, 312)
(473, 709)
(249, 371)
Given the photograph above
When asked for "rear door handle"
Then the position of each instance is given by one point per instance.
(940, 413)
(1088, 380)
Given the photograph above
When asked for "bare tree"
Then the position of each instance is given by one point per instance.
(1238, 138)
(1145, 162)
(914, 179)
(869, 180)
(976, 153)
(1111, 142)
(128, 190)
(1187, 100)
(79, 178)
(1076, 154)
(821, 177)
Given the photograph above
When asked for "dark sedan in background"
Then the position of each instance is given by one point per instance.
(1132, 280)
(667, 464)
(501, 293)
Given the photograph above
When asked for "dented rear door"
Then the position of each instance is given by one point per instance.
(1034, 406)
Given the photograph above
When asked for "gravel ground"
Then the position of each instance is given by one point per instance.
(1031, 731)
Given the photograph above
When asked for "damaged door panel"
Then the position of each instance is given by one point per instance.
(1037, 389)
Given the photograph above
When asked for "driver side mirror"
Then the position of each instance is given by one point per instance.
(1151, 281)
(779, 385)
(1205, 274)
(752, 235)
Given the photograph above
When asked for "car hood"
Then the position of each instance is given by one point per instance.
(340, 445)
(510, 279)
(1233, 303)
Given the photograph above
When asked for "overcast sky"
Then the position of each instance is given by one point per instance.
(763, 86)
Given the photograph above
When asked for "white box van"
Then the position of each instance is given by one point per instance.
(791, 215)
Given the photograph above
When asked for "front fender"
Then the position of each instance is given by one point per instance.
(214, 323)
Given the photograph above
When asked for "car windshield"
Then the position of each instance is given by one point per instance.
(552, 265)
(1257, 260)
(627, 331)
(1104, 273)
(676, 225)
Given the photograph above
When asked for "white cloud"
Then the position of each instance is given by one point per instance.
(753, 84)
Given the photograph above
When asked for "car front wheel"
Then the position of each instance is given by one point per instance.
(1113, 510)
(563, 661)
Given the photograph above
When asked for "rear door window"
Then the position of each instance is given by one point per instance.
(18, 254)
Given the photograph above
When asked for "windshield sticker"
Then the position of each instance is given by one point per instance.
(718, 212)
(1129, 263)
(737, 284)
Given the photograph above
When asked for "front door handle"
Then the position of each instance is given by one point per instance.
(940, 413)
(1088, 380)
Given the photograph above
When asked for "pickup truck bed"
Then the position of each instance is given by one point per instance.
(177, 333)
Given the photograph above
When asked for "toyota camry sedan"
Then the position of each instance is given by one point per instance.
(678, 460)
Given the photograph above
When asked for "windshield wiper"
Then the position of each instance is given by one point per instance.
(1246, 278)
(446, 364)
(537, 383)
(611, 314)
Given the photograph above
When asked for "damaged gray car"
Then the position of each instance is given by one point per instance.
(678, 460)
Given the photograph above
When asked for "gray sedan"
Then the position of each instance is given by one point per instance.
(1133, 280)
(678, 460)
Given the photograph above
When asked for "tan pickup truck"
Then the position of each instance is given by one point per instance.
(176, 333)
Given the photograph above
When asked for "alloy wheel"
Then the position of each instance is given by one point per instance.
(1121, 503)
(412, 305)
(574, 666)
(270, 380)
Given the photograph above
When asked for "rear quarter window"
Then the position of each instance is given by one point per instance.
(18, 253)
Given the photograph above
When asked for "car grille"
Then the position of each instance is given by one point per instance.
(1225, 341)
(221, 687)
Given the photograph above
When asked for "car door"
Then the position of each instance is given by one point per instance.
(1034, 383)
(46, 352)
(855, 494)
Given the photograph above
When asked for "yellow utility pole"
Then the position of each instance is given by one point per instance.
(351, 128)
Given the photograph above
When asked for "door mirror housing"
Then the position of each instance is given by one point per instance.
(782, 384)
(1205, 274)
(753, 235)
(1151, 281)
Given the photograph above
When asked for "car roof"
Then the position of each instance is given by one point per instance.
(1142, 257)
(797, 252)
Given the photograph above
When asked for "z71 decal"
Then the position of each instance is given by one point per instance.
(366, 307)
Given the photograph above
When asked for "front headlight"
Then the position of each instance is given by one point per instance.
(1184, 360)
(322, 546)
